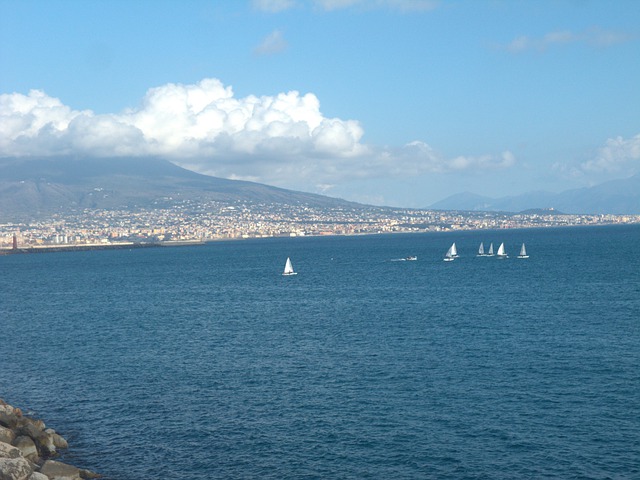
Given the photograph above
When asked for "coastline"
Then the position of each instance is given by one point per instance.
(27, 449)
(183, 243)
(96, 246)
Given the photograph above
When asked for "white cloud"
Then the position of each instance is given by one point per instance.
(617, 154)
(425, 160)
(595, 37)
(283, 139)
(272, 44)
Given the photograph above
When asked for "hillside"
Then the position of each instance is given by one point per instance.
(615, 197)
(32, 188)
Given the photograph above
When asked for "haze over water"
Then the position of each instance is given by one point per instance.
(205, 362)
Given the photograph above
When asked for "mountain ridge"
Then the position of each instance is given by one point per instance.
(620, 197)
(35, 187)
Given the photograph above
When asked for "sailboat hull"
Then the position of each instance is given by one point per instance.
(523, 252)
(288, 268)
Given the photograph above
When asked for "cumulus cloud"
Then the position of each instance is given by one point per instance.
(617, 154)
(272, 44)
(177, 120)
(595, 37)
(282, 139)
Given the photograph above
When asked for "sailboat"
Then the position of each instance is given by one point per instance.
(451, 254)
(523, 252)
(481, 250)
(288, 268)
(501, 252)
(490, 254)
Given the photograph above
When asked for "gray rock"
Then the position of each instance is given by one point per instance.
(45, 445)
(27, 447)
(39, 424)
(15, 469)
(9, 420)
(88, 474)
(6, 435)
(30, 429)
(60, 471)
(59, 441)
(9, 451)
(38, 476)
(32, 443)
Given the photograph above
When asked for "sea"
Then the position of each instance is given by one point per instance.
(205, 362)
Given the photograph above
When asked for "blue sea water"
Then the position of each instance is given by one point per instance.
(204, 362)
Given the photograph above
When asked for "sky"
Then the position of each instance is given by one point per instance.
(387, 102)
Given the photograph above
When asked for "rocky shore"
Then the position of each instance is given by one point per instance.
(27, 448)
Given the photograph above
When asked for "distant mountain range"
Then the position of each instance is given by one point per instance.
(615, 196)
(34, 187)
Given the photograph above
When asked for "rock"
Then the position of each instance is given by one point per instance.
(30, 428)
(59, 441)
(39, 424)
(6, 435)
(46, 441)
(8, 420)
(60, 471)
(9, 451)
(38, 476)
(14, 469)
(27, 447)
(88, 474)
(25, 443)
(45, 444)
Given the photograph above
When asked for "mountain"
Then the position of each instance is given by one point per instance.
(33, 187)
(615, 196)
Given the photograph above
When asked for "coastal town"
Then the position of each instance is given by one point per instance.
(195, 222)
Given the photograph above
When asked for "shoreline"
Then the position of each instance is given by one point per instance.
(96, 246)
(28, 447)
(184, 243)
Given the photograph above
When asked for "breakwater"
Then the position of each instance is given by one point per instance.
(27, 449)
(97, 246)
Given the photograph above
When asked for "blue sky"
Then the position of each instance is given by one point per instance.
(396, 102)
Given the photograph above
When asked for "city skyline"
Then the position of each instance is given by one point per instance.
(398, 102)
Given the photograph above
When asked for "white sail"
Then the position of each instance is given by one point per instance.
(288, 268)
(501, 252)
(491, 250)
(481, 250)
(454, 250)
(449, 256)
(523, 252)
